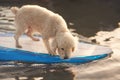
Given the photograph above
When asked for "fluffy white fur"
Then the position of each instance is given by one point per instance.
(50, 25)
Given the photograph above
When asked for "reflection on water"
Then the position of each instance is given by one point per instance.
(46, 72)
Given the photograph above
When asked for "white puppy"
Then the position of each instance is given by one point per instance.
(50, 25)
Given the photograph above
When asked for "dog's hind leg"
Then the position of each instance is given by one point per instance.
(18, 33)
(29, 33)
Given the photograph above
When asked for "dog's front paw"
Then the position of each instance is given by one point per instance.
(52, 53)
(18, 46)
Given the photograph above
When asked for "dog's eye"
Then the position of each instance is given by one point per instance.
(62, 48)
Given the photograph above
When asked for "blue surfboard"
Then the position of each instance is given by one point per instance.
(9, 53)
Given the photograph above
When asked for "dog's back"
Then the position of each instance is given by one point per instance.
(39, 18)
(31, 16)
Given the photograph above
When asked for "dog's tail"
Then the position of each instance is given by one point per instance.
(14, 10)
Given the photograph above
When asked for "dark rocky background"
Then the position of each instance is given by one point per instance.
(86, 16)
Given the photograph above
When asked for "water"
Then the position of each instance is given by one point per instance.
(87, 17)
(46, 72)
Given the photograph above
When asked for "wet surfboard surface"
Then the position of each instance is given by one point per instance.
(35, 52)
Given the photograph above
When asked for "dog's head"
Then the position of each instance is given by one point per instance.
(66, 45)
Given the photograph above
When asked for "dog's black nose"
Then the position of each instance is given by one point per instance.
(66, 57)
